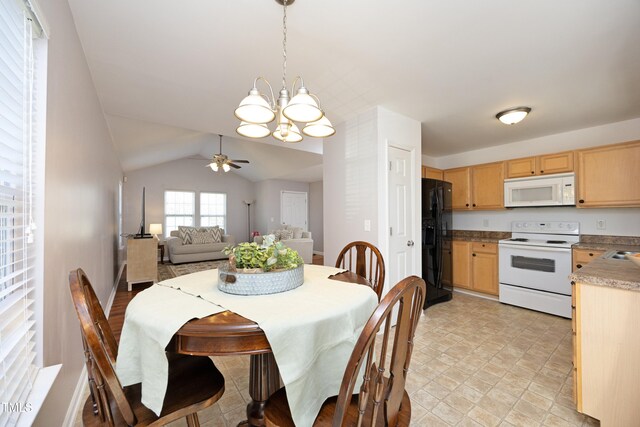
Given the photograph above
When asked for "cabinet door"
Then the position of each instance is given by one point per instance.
(608, 176)
(582, 257)
(485, 272)
(433, 173)
(460, 179)
(461, 266)
(488, 186)
(555, 163)
(518, 168)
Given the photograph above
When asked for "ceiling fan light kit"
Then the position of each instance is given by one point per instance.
(222, 161)
(513, 115)
(257, 109)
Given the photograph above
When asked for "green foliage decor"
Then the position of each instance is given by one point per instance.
(269, 256)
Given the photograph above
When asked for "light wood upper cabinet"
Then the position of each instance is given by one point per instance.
(461, 253)
(487, 186)
(541, 165)
(555, 163)
(460, 178)
(519, 168)
(609, 176)
(433, 173)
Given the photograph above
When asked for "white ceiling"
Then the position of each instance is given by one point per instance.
(170, 73)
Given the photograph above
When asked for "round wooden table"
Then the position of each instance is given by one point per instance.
(229, 334)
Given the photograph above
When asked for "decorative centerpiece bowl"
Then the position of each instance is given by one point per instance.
(260, 269)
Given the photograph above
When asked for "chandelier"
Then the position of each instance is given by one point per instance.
(257, 109)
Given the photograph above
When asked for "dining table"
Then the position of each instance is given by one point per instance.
(227, 333)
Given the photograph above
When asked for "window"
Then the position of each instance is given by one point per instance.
(21, 175)
(179, 209)
(213, 209)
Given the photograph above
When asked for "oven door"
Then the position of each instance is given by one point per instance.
(536, 267)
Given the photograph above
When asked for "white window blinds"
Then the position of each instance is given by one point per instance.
(17, 177)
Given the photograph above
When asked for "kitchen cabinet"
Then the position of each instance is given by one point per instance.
(433, 173)
(541, 165)
(475, 266)
(606, 353)
(477, 187)
(460, 179)
(582, 257)
(608, 176)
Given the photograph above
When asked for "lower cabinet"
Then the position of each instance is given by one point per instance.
(475, 266)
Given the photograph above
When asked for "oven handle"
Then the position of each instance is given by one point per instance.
(533, 248)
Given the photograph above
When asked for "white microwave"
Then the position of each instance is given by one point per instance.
(548, 190)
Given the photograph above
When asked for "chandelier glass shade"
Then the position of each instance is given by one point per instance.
(258, 109)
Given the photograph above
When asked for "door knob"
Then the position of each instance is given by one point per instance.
(410, 243)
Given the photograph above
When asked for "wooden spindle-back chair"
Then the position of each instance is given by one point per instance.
(382, 399)
(194, 382)
(365, 260)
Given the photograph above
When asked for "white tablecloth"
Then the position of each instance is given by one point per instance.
(312, 331)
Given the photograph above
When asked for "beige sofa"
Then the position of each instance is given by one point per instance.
(302, 244)
(179, 253)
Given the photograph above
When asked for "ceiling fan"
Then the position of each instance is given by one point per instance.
(222, 161)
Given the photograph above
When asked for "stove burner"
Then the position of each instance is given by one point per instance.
(519, 239)
(556, 242)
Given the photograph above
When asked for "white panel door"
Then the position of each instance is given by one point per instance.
(401, 245)
(293, 209)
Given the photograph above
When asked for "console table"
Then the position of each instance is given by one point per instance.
(142, 261)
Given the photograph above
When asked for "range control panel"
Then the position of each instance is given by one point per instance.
(548, 227)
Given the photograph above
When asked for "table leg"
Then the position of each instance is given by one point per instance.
(264, 380)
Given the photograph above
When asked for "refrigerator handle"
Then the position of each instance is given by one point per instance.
(439, 207)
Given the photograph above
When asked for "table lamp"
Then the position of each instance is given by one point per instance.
(155, 229)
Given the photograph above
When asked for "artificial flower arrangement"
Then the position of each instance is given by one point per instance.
(270, 256)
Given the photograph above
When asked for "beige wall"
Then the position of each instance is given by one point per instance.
(185, 175)
(81, 186)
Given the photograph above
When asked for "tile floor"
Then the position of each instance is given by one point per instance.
(476, 363)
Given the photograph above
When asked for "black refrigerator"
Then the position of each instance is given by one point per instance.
(436, 240)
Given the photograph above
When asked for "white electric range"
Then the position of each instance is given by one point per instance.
(535, 264)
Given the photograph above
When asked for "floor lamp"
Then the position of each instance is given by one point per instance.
(248, 203)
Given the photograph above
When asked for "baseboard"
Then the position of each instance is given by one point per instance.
(78, 393)
(476, 294)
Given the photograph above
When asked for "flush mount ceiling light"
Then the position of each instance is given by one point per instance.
(513, 115)
(223, 162)
(257, 109)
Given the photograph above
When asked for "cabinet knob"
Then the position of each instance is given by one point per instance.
(578, 265)
(474, 205)
(581, 201)
(473, 254)
(483, 245)
(467, 205)
(533, 172)
(541, 171)
(590, 254)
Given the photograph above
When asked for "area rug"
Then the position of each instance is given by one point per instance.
(169, 271)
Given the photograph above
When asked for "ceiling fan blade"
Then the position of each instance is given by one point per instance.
(209, 165)
(233, 165)
(240, 161)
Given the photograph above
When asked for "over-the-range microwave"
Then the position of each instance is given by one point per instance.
(548, 190)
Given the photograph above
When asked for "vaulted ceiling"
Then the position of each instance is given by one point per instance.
(170, 73)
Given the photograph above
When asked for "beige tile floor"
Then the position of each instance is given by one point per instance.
(476, 363)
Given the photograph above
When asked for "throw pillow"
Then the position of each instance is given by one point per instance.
(201, 237)
(286, 234)
(216, 234)
(186, 234)
(297, 232)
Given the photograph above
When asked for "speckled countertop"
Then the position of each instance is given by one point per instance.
(608, 243)
(616, 273)
(480, 236)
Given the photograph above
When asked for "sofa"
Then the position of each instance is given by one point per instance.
(184, 249)
(295, 238)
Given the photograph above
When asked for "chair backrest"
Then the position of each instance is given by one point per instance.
(365, 260)
(383, 360)
(101, 350)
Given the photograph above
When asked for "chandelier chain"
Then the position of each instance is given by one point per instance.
(284, 45)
